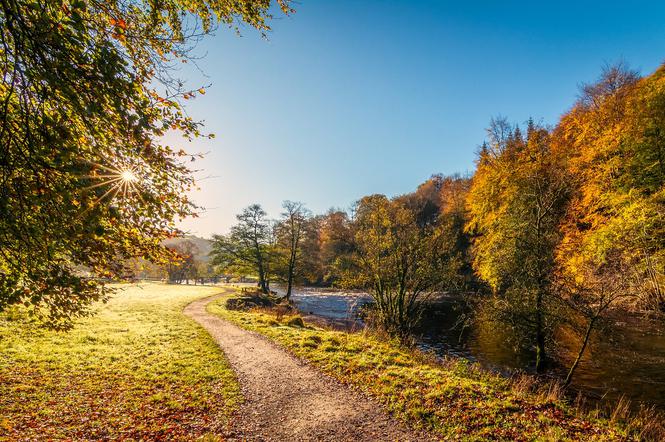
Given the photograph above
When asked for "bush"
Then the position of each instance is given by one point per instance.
(295, 321)
(246, 303)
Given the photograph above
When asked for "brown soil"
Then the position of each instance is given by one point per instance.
(288, 400)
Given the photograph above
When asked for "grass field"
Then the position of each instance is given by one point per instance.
(137, 370)
(457, 400)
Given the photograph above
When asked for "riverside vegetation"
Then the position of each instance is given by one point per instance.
(453, 398)
(556, 233)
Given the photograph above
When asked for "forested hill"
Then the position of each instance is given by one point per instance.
(201, 249)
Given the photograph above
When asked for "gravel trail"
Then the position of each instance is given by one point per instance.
(288, 400)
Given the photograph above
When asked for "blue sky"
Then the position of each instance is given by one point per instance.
(349, 98)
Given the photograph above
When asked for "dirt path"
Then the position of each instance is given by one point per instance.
(287, 400)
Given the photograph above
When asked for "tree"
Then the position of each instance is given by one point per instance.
(588, 300)
(312, 266)
(397, 261)
(290, 233)
(453, 215)
(613, 145)
(425, 202)
(184, 267)
(440, 203)
(86, 95)
(516, 201)
(337, 242)
(248, 246)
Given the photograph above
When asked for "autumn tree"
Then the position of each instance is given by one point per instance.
(290, 233)
(425, 202)
(248, 248)
(440, 203)
(588, 301)
(396, 260)
(613, 144)
(312, 265)
(184, 266)
(337, 241)
(452, 218)
(516, 201)
(87, 93)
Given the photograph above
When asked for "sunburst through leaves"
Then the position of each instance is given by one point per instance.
(119, 182)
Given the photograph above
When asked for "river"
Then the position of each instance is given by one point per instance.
(631, 363)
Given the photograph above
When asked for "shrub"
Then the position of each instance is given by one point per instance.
(295, 321)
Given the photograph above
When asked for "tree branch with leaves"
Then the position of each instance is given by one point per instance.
(86, 95)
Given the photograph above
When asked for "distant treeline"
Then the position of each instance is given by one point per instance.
(556, 226)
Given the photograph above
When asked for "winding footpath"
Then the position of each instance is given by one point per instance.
(288, 400)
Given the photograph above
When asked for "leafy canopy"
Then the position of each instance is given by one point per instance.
(613, 143)
(399, 262)
(85, 97)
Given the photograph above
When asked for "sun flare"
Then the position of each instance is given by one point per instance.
(128, 176)
(120, 182)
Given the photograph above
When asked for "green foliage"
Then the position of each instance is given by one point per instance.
(137, 370)
(248, 248)
(398, 261)
(86, 94)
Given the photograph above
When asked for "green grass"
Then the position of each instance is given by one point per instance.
(137, 370)
(456, 399)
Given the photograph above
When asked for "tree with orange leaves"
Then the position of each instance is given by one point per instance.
(613, 142)
(516, 200)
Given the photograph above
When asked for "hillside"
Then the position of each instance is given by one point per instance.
(202, 246)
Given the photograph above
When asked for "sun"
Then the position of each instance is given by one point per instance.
(121, 182)
(128, 176)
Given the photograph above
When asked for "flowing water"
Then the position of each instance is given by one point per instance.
(628, 361)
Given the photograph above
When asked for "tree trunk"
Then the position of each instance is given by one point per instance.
(573, 367)
(540, 333)
(289, 286)
(262, 282)
(289, 279)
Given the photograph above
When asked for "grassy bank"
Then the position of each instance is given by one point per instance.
(455, 399)
(139, 369)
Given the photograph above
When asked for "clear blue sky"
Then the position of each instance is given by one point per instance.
(349, 98)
